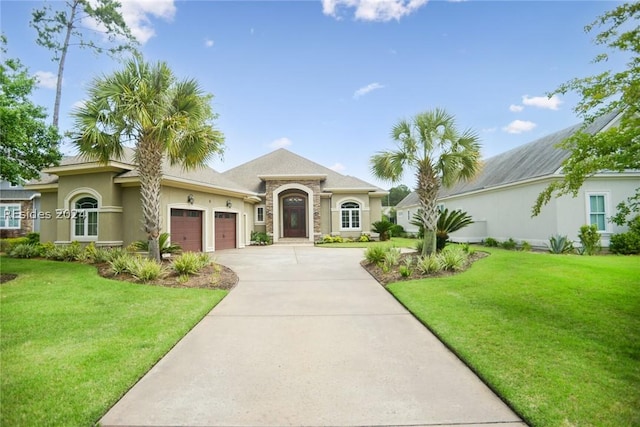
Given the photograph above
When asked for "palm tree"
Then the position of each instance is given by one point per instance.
(440, 155)
(144, 104)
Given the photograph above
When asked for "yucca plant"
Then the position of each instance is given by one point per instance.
(374, 255)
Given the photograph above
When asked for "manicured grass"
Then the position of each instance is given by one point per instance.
(558, 336)
(399, 242)
(73, 343)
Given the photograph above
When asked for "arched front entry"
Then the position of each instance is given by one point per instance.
(294, 215)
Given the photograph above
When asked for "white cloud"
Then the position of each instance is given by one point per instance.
(519, 126)
(552, 103)
(366, 89)
(137, 13)
(280, 143)
(373, 10)
(338, 167)
(515, 108)
(46, 79)
(208, 43)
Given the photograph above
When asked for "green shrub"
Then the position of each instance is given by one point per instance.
(46, 248)
(509, 244)
(453, 258)
(374, 255)
(71, 252)
(396, 230)
(337, 239)
(364, 238)
(429, 264)
(121, 264)
(260, 238)
(590, 239)
(391, 258)
(525, 246)
(26, 250)
(418, 245)
(146, 270)
(466, 247)
(490, 242)
(625, 243)
(406, 269)
(560, 245)
(34, 238)
(7, 244)
(190, 263)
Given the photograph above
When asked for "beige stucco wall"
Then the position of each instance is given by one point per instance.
(325, 215)
(132, 216)
(337, 200)
(48, 226)
(208, 203)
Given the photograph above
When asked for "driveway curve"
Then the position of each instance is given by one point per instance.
(308, 338)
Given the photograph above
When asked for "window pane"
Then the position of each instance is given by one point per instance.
(345, 219)
(260, 215)
(79, 227)
(355, 219)
(599, 220)
(596, 204)
(87, 203)
(350, 205)
(92, 218)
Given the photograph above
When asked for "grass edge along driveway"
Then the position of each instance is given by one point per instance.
(73, 342)
(558, 337)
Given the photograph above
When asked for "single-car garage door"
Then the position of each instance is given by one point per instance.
(225, 230)
(186, 229)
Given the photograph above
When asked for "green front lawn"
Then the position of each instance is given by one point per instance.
(398, 242)
(557, 336)
(73, 342)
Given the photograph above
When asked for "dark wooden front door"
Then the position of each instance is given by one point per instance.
(294, 216)
(186, 229)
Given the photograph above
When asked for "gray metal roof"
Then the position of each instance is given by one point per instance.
(535, 159)
(282, 162)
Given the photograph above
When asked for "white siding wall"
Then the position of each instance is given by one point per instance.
(506, 212)
(401, 215)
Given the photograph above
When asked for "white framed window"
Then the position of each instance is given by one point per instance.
(85, 218)
(598, 210)
(440, 207)
(260, 214)
(350, 216)
(10, 216)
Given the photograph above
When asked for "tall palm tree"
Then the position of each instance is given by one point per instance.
(440, 155)
(145, 105)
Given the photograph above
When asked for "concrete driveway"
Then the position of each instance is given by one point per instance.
(308, 338)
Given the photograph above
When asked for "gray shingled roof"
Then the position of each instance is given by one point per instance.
(410, 199)
(536, 159)
(284, 162)
(17, 194)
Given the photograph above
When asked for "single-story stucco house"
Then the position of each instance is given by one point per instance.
(501, 197)
(18, 210)
(280, 193)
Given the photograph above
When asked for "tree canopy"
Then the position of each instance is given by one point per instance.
(440, 154)
(163, 117)
(616, 148)
(396, 194)
(27, 143)
(61, 28)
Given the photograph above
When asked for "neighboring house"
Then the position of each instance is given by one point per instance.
(501, 197)
(18, 210)
(280, 193)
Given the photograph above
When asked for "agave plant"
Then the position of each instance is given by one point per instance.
(448, 222)
(560, 245)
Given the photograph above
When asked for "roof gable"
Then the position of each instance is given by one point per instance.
(283, 163)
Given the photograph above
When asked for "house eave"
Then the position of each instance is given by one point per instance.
(90, 167)
(190, 185)
(42, 187)
(370, 190)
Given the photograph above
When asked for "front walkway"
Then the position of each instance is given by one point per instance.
(308, 338)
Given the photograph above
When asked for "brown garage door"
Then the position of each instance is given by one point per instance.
(225, 230)
(186, 229)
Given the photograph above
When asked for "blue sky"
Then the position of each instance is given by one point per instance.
(328, 80)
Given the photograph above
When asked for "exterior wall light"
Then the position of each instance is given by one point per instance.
(229, 203)
(190, 199)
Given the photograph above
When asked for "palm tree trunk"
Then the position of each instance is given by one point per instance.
(149, 158)
(428, 186)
